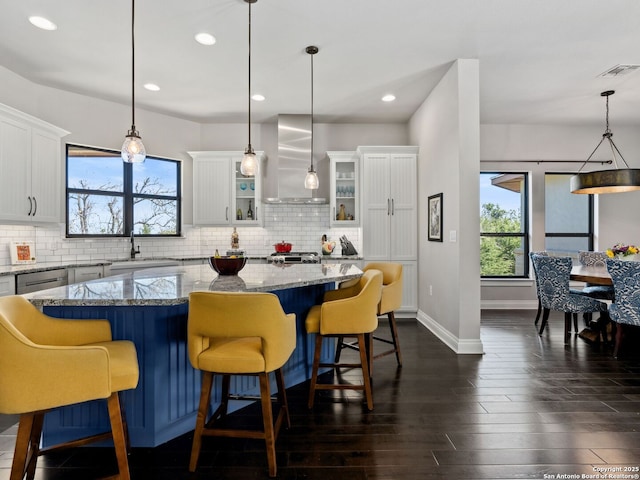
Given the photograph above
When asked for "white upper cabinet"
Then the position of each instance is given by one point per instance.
(221, 194)
(345, 189)
(30, 168)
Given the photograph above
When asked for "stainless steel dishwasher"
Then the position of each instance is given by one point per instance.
(35, 281)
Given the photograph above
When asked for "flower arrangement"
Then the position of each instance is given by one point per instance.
(620, 250)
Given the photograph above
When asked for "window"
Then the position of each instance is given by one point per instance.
(108, 197)
(568, 217)
(504, 225)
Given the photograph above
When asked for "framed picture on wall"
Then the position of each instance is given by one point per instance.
(434, 223)
(22, 253)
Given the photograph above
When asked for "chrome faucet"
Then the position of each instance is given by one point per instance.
(134, 251)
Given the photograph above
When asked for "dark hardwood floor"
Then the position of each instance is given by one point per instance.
(530, 407)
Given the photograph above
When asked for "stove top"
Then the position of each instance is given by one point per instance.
(294, 257)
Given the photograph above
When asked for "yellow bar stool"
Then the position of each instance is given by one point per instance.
(239, 334)
(48, 362)
(347, 312)
(390, 301)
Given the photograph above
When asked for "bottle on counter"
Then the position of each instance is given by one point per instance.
(235, 240)
(249, 212)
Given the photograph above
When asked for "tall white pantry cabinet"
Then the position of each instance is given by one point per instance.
(390, 212)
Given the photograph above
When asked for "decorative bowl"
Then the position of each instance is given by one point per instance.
(227, 265)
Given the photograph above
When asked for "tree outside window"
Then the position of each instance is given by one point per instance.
(107, 197)
(504, 231)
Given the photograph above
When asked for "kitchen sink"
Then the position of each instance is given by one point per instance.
(127, 266)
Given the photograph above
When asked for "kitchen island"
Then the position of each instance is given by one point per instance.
(150, 308)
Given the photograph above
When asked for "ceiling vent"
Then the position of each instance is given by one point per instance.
(619, 70)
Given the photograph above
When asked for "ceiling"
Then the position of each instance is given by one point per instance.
(539, 60)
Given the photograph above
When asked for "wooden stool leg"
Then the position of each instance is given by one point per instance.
(282, 396)
(27, 447)
(201, 418)
(267, 421)
(314, 370)
(339, 346)
(394, 336)
(119, 435)
(366, 378)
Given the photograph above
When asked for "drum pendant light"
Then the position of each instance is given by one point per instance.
(249, 163)
(606, 181)
(133, 150)
(311, 181)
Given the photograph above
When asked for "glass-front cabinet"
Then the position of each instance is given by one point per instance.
(246, 195)
(345, 188)
(221, 194)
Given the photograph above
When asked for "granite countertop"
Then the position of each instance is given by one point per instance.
(328, 258)
(172, 285)
(42, 267)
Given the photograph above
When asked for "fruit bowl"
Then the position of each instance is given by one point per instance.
(227, 265)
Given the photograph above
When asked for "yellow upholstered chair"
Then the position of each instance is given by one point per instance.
(390, 301)
(48, 362)
(346, 312)
(239, 334)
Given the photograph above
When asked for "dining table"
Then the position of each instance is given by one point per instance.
(591, 274)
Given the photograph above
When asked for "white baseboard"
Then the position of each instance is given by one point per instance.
(508, 304)
(461, 347)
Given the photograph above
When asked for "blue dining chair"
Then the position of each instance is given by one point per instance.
(541, 252)
(553, 279)
(625, 310)
(599, 292)
(595, 259)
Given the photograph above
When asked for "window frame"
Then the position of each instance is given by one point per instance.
(127, 194)
(525, 234)
(591, 212)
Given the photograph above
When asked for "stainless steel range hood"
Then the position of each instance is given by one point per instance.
(294, 158)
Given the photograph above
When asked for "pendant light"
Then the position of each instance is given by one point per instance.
(607, 181)
(311, 180)
(249, 163)
(133, 150)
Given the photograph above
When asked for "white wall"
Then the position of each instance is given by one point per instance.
(446, 129)
(617, 215)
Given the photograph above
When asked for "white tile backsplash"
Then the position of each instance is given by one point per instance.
(301, 225)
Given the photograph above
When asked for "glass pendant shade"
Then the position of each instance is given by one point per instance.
(133, 150)
(249, 163)
(311, 181)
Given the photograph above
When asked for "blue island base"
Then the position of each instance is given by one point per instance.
(165, 402)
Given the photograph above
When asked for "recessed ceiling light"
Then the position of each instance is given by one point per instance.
(152, 87)
(43, 23)
(205, 39)
(388, 98)
(258, 98)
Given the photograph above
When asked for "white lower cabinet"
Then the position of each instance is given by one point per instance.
(7, 285)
